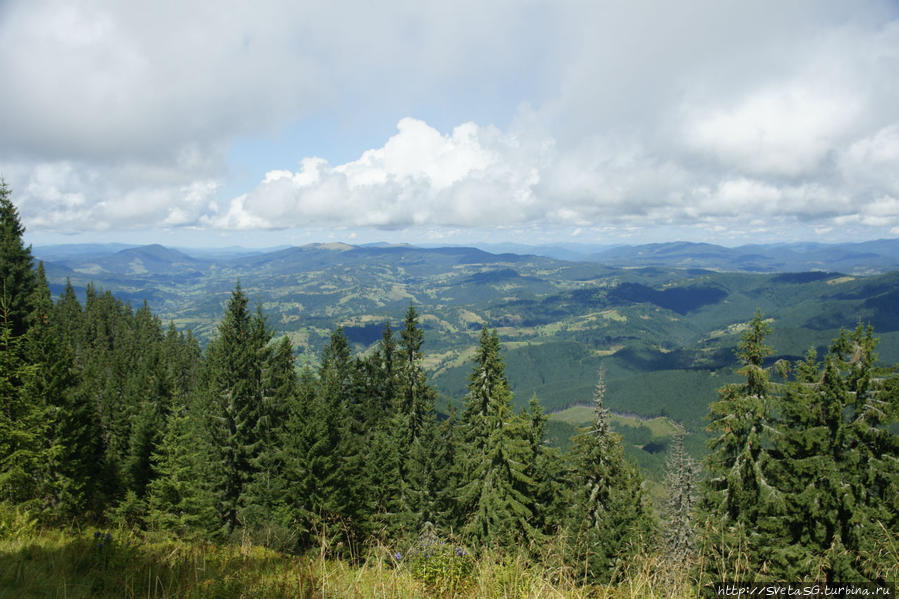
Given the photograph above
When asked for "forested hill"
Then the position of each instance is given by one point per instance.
(665, 335)
(106, 416)
(864, 258)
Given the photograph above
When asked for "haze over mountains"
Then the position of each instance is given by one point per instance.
(869, 257)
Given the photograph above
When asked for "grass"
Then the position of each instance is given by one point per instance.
(101, 564)
(583, 415)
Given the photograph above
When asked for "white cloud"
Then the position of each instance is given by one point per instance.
(473, 176)
(69, 197)
(782, 131)
(619, 116)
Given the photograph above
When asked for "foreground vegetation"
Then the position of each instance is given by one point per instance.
(106, 419)
(100, 564)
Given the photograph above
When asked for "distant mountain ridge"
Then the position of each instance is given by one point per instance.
(869, 257)
(662, 320)
(154, 259)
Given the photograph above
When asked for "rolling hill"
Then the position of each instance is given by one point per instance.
(665, 335)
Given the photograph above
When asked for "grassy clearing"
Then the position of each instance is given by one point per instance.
(101, 564)
(582, 415)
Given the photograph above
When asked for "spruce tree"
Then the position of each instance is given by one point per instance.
(416, 397)
(609, 514)
(415, 431)
(340, 381)
(48, 433)
(681, 497)
(385, 451)
(309, 445)
(180, 497)
(67, 319)
(546, 468)
(23, 424)
(265, 490)
(73, 446)
(738, 493)
(496, 495)
(835, 466)
(386, 505)
(233, 389)
(17, 283)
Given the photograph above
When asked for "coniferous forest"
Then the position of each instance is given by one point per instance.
(115, 426)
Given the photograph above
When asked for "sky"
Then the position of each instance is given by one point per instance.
(196, 123)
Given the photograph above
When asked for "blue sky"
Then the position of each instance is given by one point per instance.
(193, 123)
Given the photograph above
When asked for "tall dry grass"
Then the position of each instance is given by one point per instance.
(100, 564)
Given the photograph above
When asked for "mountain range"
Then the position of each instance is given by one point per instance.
(662, 320)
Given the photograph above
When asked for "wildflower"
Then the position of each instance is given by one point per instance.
(397, 556)
(97, 535)
(109, 536)
(460, 552)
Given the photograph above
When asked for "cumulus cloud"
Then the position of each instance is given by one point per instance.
(69, 196)
(608, 116)
(473, 176)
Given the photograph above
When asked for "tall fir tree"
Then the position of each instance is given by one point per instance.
(496, 495)
(265, 490)
(180, 497)
(74, 448)
(23, 424)
(738, 492)
(546, 468)
(17, 282)
(233, 388)
(609, 514)
(416, 433)
(679, 535)
(309, 458)
(835, 464)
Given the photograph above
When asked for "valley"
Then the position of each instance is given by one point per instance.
(666, 336)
